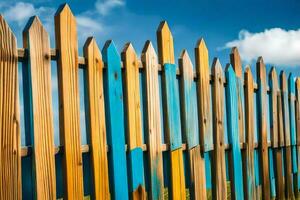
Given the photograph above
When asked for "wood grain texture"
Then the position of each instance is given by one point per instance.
(114, 113)
(96, 119)
(38, 87)
(190, 131)
(10, 154)
(235, 156)
(154, 153)
(66, 43)
(235, 61)
(279, 171)
(274, 89)
(263, 138)
(286, 130)
(249, 176)
(219, 183)
(171, 110)
(133, 121)
(204, 99)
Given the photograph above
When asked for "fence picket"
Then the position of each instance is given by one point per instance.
(286, 128)
(10, 145)
(298, 130)
(171, 110)
(262, 108)
(219, 183)
(235, 156)
(189, 122)
(115, 113)
(96, 119)
(277, 140)
(150, 63)
(134, 123)
(204, 99)
(40, 116)
(249, 177)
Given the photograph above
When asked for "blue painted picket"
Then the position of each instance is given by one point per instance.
(233, 135)
(115, 121)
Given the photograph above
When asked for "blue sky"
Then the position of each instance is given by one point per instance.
(259, 28)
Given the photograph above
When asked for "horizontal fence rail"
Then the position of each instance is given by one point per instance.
(154, 129)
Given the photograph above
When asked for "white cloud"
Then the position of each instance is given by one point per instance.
(277, 46)
(105, 6)
(19, 12)
(89, 24)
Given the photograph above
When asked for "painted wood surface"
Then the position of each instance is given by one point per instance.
(263, 137)
(219, 183)
(10, 145)
(235, 156)
(249, 180)
(153, 135)
(190, 129)
(38, 87)
(96, 119)
(66, 44)
(235, 61)
(171, 110)
(114, 111)
(297, 107)
(286, 129)
(291, 96)
(204, 99)
(133, 122)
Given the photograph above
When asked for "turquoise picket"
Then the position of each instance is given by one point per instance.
(233, 135)
(114, 112)
(291, 88)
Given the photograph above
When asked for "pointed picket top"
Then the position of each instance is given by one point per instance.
(129, 56)
(298, 84)
(185, 58)
(235, 61)
(248, 72)
(261, 68)
(7, 35)
(149, 56)
(229, 69)
(108, 50)
(165, 44)
(33, 22)
(201, 53)
(216, 63)
(273, 77)
(63, 9)
(90, 45)
(291, 80)
(283, 81)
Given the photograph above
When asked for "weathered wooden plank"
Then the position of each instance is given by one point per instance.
(249, 179)
(150, 63)
(286, 129)
(204, 99)
(96, 119)
(115, 117)
(10, 154)
(298, 111)
(235, 156)
(171, 110)
(280, 182)
(235, 61)
(262, 108)
(291, 93)
(219, 183)
(298, 129)
(190, 131)
(66, 44)
(274, 89)
(40, 116)
(133, 122)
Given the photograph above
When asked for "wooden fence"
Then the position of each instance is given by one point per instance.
(153, 128)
